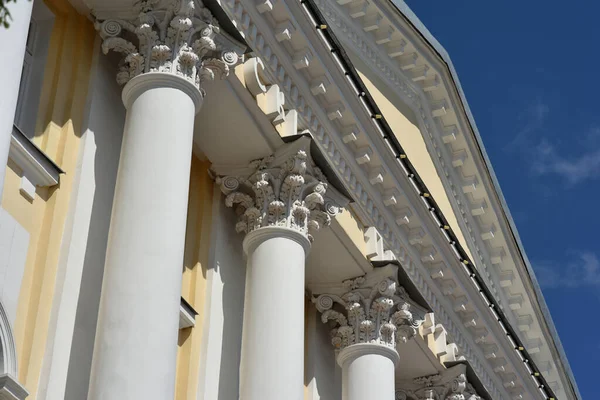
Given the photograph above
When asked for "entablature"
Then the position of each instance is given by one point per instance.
(297, 59)
(406, 61)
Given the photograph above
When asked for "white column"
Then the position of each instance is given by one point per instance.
(282, 201)
(368, 371)
(272, 364)
(135, 348)
(13, 40)
(371, 314)
(136, 339)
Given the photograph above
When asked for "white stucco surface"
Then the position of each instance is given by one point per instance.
(224, 308)
(14, 242)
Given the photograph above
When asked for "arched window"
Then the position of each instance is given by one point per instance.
(10, 388)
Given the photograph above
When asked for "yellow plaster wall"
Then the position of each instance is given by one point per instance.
(353, 228)
(197, 244)
(58, 130)
(25, 212)
(412, 142)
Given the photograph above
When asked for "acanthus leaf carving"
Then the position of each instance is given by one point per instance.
(372, 308)
(285, 189)
(173, 36)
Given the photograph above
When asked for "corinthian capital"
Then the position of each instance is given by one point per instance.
(372, 308)
(175, 36)
(285, 189)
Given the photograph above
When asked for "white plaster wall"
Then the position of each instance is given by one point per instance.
(99, 158)
(14, 242)
(224, 308)
(322, 376)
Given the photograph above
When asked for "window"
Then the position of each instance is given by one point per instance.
(34, 63)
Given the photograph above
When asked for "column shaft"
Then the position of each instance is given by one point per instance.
(368, 372)
(136, 340)
(272, 365)
(13, 42)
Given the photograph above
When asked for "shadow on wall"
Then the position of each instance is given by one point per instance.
(105, 130)
(322, 375)
(226, 280)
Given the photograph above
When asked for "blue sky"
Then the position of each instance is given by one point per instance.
(529, 70)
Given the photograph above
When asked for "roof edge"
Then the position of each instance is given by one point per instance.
(412, 18)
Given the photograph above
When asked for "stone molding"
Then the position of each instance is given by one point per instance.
(11, 389)
(176, 37)
(141, 83)
(285, 189)
(450, 384)
(355, 351)
(38, 169)
(253, 239)
(373, 308)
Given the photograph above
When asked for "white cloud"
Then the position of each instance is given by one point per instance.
(545, 157)
(531, 120)
(547, 160)
(582, 271)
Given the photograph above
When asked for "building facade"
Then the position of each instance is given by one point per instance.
(254, 199)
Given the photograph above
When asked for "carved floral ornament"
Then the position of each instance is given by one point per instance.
(370, 309)
(174, 36)
(285, 189)
(451, 384)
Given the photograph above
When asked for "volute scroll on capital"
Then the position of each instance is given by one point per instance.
(174, 36)
(369, 309)
(285, 189)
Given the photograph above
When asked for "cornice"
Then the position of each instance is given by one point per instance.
(287, 66)
(421, 86)
(35, 164)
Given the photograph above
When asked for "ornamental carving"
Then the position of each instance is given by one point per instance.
(369, 309)
(174, 36)
(450, 384)
(285, 189)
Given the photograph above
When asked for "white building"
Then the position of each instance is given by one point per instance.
(254, 199)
